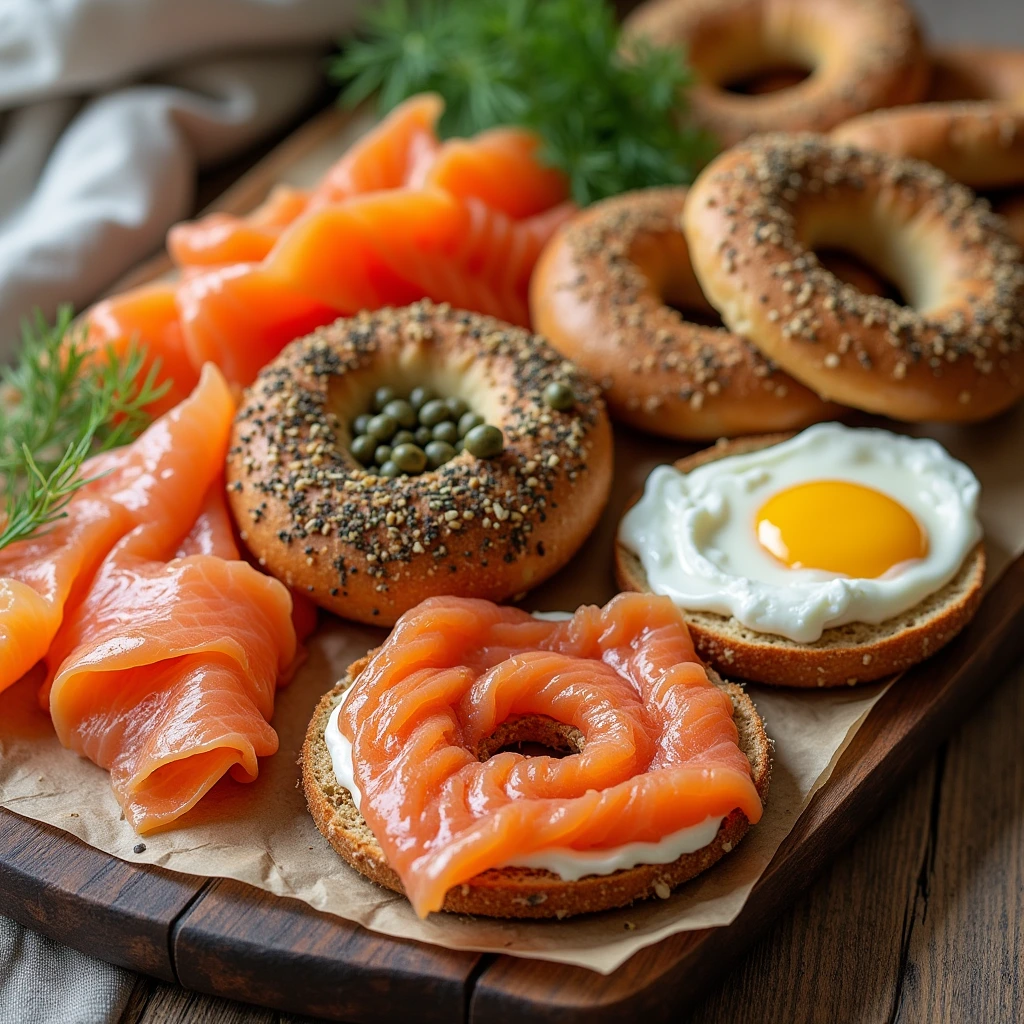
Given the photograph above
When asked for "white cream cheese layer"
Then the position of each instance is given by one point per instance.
(695, 534)
(569, 865)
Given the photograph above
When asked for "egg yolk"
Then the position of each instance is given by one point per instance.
(839, 527)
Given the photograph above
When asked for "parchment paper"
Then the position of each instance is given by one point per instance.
(262, 833)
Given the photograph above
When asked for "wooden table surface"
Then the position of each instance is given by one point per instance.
(921, 919)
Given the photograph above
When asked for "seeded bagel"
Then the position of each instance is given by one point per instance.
(368, 547)
(843, 655)
(753, 220)
(522, 892)
(600, 294)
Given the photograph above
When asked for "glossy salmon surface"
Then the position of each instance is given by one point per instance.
(163, 648)
(400, 217)
(660, 750)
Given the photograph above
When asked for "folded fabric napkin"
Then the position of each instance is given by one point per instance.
(107, 110)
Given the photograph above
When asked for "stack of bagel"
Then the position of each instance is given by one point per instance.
(855, 244)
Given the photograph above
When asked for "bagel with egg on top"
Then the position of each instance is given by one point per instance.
(861, 55)
(762, 542)
(756, 215)
(411, 452)
(600, 295)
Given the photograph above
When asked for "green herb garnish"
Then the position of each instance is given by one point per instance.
(610, 122)
(60, 404)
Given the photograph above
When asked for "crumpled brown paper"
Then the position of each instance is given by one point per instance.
(262, 834)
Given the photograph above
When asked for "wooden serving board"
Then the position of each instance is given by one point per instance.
(225, 938)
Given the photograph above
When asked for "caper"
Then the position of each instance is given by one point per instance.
(363, 448)
(446, 431)
(362, 423)
(409, 458)
(382, 396)
(484, 441)
(381, 454)
(382, 427)
(469, 420)
(402, 411)
(424, 435)
(403, 437)
(559, 396)
(456, 407)
(433, 412)
(419, 397)
(438, 453)
(389, 469)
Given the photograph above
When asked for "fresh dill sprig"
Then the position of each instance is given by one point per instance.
(60, 404)
(611, 122)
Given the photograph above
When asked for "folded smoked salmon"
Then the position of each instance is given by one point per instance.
(654, 776)
(163, 648)
(401, 216)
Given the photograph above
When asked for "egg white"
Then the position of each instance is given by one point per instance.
(696, 538)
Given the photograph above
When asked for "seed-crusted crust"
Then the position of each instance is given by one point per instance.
(867, 54)
(843, 655)
(522, 892)
(979, 144)
(752, 220)
(368, 547)
(599, 295)
(976, 73)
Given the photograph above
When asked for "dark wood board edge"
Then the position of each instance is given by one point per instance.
(246, 944)
(55, 884)
(901, 730)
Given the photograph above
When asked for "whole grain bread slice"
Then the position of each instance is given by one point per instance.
(843, 655)
(514, 891)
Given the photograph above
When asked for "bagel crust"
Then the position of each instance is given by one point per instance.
(752, 220)
(843, 655)
(979, 144)
(864, 54)
(599, 294)
(977, 73)
(518, 892)
(369, 547)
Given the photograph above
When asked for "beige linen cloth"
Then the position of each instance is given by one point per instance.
(108, 108)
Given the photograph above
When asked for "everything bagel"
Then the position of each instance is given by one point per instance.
(600, 294)
(753, 220)
(368, 546)
(862, 54)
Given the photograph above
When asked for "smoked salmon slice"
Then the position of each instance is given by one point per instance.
(220, 238)
(163, 648)
(146, 316)
(660, 748)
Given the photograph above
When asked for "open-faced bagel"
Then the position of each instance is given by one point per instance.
(844, 655)
(520, 891)
(862, 54)
(600, 295)
(976, 73)
(753, 220)
(980, 144)
(369, 547)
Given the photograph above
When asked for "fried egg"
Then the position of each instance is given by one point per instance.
(835, 525)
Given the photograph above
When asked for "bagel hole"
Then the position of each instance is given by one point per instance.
(702, 316)
(854, 271)
(532, 736)
(765, 80)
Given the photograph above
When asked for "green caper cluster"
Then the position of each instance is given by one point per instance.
(419, 432)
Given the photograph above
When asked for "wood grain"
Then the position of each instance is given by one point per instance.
(900, 731)
(247, 944)
(55, 884)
